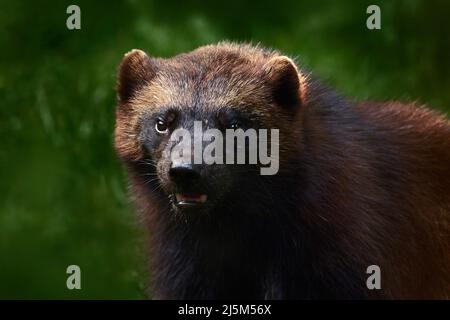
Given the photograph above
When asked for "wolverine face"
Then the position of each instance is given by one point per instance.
(176, 119)
(176, 140)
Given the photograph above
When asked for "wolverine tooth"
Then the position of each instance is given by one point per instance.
(186, 198)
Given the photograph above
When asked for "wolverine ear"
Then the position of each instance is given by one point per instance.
(135, 71)
(284, 79)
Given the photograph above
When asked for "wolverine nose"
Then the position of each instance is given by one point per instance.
(183, 172)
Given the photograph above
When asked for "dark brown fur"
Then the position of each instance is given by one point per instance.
(359, 184)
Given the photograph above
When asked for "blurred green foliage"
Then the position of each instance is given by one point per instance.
(62, 191)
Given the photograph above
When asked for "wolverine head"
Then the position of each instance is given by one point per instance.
(175, 119)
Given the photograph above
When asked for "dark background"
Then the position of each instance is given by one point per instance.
(62, 191)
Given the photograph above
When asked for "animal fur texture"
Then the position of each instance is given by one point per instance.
(359, 183)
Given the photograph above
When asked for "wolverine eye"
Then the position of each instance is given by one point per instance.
(165, 121)
(233, 120)
(161, 126)
(234, 125)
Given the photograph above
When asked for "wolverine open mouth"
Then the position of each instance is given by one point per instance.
(189, 199)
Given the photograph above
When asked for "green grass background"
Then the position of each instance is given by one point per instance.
(62, 191)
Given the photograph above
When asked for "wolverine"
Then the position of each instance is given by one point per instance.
(358, 184)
